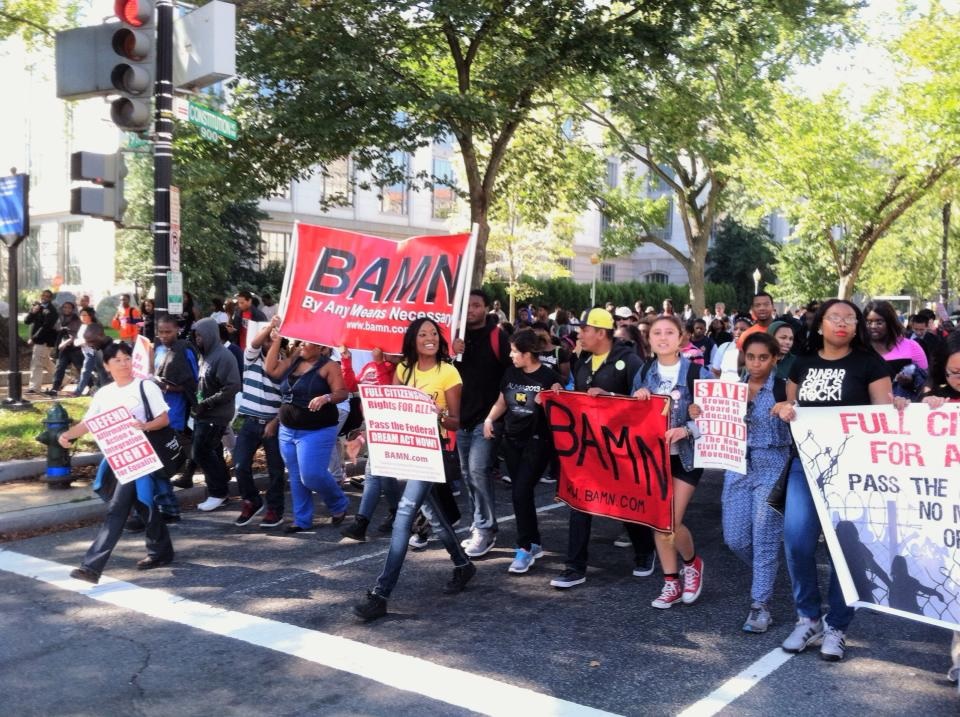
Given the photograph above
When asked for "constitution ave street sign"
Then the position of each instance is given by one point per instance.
(206, 118)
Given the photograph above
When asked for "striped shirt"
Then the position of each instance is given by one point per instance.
(261, 395)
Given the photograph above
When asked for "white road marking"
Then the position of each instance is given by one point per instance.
(737, 686)
(411, 674)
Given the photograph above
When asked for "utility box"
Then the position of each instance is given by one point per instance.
(205, 46)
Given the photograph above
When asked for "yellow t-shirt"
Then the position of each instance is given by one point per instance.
(596, 361)
(434, 382)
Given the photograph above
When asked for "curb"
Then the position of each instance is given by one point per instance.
(33, 467)
(49, 516)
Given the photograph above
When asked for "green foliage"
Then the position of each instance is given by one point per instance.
(220, 221)
(36, 21)
(576, 297)
(804, 272)
(736, 252)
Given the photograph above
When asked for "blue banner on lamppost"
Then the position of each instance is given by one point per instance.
(14, 214)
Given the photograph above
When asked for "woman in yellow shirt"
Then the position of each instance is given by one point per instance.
(426, 366)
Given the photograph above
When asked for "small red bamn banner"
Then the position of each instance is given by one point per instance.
(362, 291)
(614, 460)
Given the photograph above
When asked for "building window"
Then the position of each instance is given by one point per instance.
(656, 277)
(443, 197)
(274, 247)
(393, 199)
(337, 183)
(608, 273)
(30, 270)
(566, 262)
(71, 234)
(613, 173)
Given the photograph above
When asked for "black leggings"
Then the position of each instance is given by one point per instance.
(526, 460)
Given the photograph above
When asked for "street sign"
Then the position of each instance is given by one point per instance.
(206, 118)
(174, 292)
(14, 212)
(175, 229)
(134, 141)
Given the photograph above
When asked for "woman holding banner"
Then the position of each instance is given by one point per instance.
(838, 368)
(130, 392)
(527, 446)
(669, 373)
(311, 386)
(426, 366)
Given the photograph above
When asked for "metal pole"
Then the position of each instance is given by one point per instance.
(944, 284)
(163, 154)
(14, 385)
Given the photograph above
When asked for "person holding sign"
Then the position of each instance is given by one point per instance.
(604, 367)
(668, 373)
(838, 368)
(425, 366)
(751, 528)
(526, 439)
(311, 386)
(138, 494)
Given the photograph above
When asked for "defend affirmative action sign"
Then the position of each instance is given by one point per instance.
(403, 439)
(126, 449)
(887, 489)
(723, 432)
(614, 460)
(362, 291)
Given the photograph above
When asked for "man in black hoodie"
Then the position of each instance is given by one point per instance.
(42, 317)
(604, 367)
(483, 356)
(219, 383)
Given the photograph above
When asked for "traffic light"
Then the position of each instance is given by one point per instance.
(106, 170)
(133, 43)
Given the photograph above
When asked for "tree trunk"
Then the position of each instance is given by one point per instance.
(845, 286)
(944, 286)
(696, 271)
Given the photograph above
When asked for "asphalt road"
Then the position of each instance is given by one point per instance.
(259, 623)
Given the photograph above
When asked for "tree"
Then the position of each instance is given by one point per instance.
(220, 220)
(844, 179)
(369, 77)
(35, 20)
(736, 253)
(679, 123)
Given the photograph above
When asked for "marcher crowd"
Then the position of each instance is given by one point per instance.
(223, 383)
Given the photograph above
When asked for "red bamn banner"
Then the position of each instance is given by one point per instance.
(614, 460)
(362, 291)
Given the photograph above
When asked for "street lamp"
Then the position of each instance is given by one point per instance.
(594, 259)
(756, 280)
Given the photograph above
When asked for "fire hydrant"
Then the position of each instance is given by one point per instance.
(58, 458)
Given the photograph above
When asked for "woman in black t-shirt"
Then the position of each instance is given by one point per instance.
(526, 442)
(839, 368)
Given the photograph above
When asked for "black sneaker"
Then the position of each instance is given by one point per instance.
(85, 574)
(461, 576)
(182, 482)
(135, 525)
(357, 530)
(371, 608)
(568, 579)
(387, 525)
(645, 565)
(170, 518)
(248, 512)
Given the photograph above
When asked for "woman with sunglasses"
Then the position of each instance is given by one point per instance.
(838, 368)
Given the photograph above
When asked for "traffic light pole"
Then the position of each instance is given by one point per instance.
(163, 153)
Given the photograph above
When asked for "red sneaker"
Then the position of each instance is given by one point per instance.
(692, 581)
(272, 519)
(669, 595)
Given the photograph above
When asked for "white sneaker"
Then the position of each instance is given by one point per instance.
(481, 544)
(211, 503)
(807, 632)
(834, 643)
(470, 538)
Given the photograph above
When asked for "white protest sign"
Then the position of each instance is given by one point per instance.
(403, 440)
(142, 357)
(886, 486)
(126, 449)
(723, 432)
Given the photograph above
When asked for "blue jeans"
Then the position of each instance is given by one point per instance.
(372, 487)
(415, 494)
(90, 373)
(249, 437)
(307, 455)
(801, 533)
(476, 461)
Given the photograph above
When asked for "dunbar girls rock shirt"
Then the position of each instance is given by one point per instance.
(520, 391)
(841, 382)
